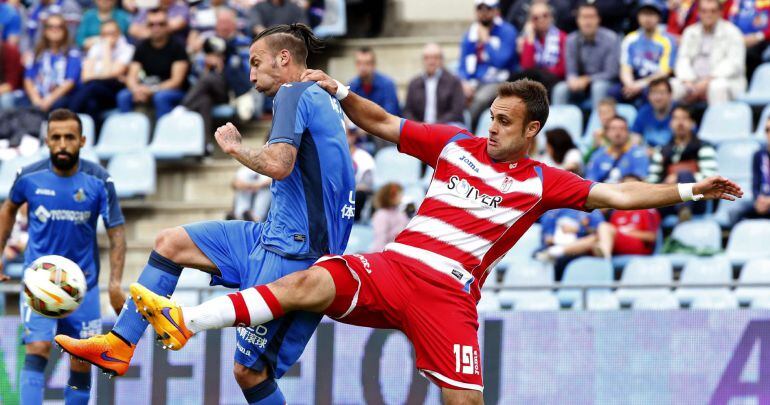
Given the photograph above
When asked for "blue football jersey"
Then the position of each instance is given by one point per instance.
(63, 212)
(312, 210)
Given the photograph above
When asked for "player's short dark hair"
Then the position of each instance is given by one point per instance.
(619, 118)
(63, 114)
(533, 94)
(367, 50)
(687, 110)
(298, 39)
(156, 10)
(586, 4)
(660, 81)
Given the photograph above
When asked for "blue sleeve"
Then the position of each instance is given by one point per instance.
(548, 223)
(18, 193)
(291, 115)
(594, 219)
(638, 125)
(503, 56)
(390, 100)
(641, 163)
(355, 86)
(73, 66)
(110, 207)
(31, 71)
(13, 27)
(674, 50)
(592, 170)
(464, 52)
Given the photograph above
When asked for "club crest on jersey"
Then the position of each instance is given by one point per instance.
(507, 183)
(466, 190)
(80, 195)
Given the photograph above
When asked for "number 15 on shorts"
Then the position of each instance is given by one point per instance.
(466, 359)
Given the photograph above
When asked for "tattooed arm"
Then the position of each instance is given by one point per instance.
(275, 161)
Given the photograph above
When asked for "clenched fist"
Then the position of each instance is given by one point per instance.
(228, 138)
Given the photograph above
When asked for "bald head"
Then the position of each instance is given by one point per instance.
(432, 58)
(227, 23)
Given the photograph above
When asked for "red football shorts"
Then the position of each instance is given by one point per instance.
(386, 290)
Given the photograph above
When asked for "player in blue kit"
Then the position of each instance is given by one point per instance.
(66, 196)
(311, 215)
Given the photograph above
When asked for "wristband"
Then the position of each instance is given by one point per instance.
(342, 91)
(685, 192)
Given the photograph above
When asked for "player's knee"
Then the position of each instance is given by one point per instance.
(40, 348)
(246, 377)
(170, 242)
(309, 288)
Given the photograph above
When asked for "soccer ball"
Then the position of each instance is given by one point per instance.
(54, 286)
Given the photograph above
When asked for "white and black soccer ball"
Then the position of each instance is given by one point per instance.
(54, 286)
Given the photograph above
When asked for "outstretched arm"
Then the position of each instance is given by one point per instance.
(638, 195)
(365, 114)
(273, 160)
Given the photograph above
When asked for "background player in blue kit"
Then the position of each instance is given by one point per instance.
(311, 215)
(66, 196)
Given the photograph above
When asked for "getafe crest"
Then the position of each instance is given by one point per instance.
(80, 195)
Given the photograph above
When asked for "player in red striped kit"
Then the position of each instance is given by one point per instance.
(484, 195)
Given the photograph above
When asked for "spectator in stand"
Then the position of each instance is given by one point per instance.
(203, 22)
(388, 219)
(685, 159)
(275, 12)
(606, 111)
(90, 28)
(163, 65)
(373, 85)
(224, 69)
(568, 234)
(760, 181)
(487, 57)
(592, 55)
(681, 14)
(436, 95)
(69, 10)
(710, 64)
(104, 71)
(252, 195)
(561, 152)
(631, 232)
(178, 16)
(55, 70)
(11, 75)
(17, 242)
(646, 54)
(363, 167)
(652, 123)
(620, 158)
(10, 24)
(752, 17)
(542, 47)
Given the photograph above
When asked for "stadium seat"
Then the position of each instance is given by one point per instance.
(393, 166)
(568, 117)
(544, 301)
(178, 134)
(759, 134)
(761, 303)
(531, 273)
(603, 302)
(8, 170)
(123, 132)
(725, 121)
(626, 111)
(334, 22)
(584, 270)
(759, 88)
(133, 173)
(644, 270)
(722, 300)
(748, 240)
(734, 160)
(223, 111)
(523, 250)
(488, 302)
(754, 271)
(360, 239)
(698, 233)
(414, 194)
(714, 270)
(482, 127)
(660, 301)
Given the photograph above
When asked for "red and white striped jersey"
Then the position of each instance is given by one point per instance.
(475, 208)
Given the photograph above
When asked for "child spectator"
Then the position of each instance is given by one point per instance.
(561, 152)
(652, 122)
(632, 232)
(568, 234)
(388, 219)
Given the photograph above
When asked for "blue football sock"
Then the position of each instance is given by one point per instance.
(159, 276)
(32, 380)
(265, 393)
(78, 389)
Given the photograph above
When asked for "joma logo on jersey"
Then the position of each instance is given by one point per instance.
(466, 190)
(470, 163)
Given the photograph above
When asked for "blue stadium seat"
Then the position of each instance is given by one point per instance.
(123, 132)
(754, 271)
(530, 273)
(714, 270)
(8, 171)
(725, 121)
(223, 111)
(393, 166)
(759, 134)
(761, 303)
(585, 270)
(644, 270)
(734, 160)
(482, 127)
(360, 240)
(545, 301)
(603, 302)
(626, 111)
(659, 302)
(568, 117)
(717, 301)
(748, 240)
(133, 173)
(178, 134)
(523, 250)
(759, 88)
(488, 302)
(698, 233)
(334, 22)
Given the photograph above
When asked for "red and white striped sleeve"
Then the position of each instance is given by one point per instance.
(425, 141)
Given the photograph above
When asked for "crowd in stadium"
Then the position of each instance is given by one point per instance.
(645, 75)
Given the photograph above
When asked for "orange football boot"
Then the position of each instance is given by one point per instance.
(164, 315)
(108, 352)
